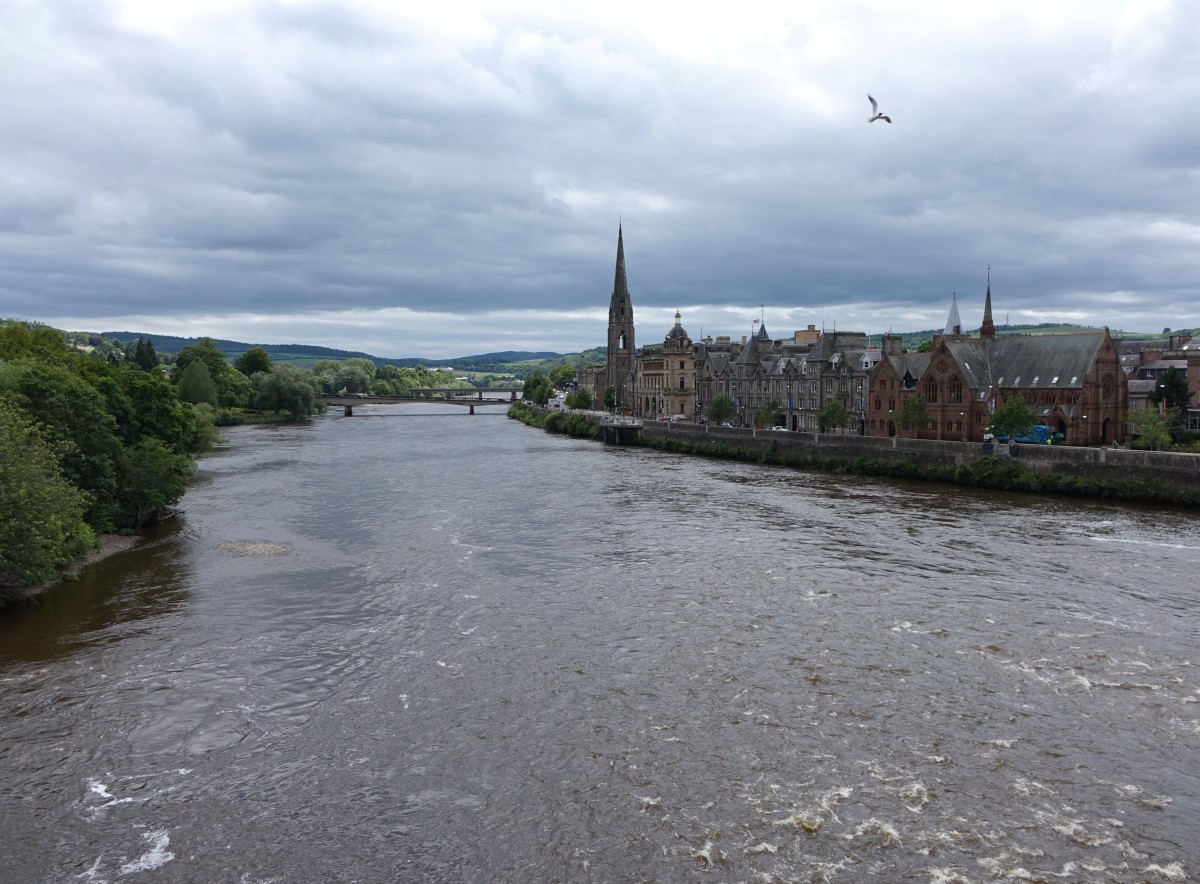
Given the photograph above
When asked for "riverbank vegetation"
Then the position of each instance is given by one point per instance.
(577, 425)
(88, 445)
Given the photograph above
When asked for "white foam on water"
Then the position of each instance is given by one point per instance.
(99, 788)
(761, 848)
(93, 873)
(156, 856)
(947, 876)
(1169, 872)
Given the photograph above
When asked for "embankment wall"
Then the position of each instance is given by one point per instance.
(1103, 464)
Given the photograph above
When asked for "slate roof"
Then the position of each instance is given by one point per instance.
(1023, 361)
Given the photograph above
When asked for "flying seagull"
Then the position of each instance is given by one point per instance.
(875, 114)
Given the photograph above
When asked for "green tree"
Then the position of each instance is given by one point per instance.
(144, 356)
(253, 361)
(234, 390)
(19, 339)
(1014, 418)
(205, 349)
(913, 415)
(285, 388)
(150, 409)
(772, 414)
(562, 375)
(721, 409)
(1152, 431)
(42, 527)
(925, 346)
(537, 388)
(196, 384)
(152, 478)
(581, 399)
(75, 418)
(610, 398)
(832, 416)
(355, 375)
(1172, 386)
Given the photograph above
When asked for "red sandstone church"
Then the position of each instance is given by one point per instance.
(1074, 382)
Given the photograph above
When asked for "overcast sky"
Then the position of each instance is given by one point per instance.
(440, 178)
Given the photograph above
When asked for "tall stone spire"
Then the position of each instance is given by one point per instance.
(620, 325)
(988, 328)
(953, 323)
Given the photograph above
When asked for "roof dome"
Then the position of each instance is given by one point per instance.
(678, 331)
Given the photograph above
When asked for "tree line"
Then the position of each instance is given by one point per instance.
(97, 441)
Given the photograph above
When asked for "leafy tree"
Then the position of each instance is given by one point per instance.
(610, 398)
(234, 390)
(1014, 418)
(1172, 386)
(562, 375)
(925, 346)
(253, 361)
(152, 410)
(1151, 430)
(76, 420)
(152, 478)
(285, 388)
(721, 409)
(19, 339)
(581, 399)
(205, 433)
(913, 415)
(832, 415)
(43, 523)
(196, 384)
(537, 388)
(205, 349)
(355, 375)
(772, 414)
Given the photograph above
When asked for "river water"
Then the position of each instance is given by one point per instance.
(433, 647)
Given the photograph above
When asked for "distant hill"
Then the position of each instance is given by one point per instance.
(302, 354)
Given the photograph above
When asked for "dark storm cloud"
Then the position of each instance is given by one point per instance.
(267, 161)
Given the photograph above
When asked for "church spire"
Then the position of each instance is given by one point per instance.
(988, 328)
(953, 323)
(620, 326)
(620, 284)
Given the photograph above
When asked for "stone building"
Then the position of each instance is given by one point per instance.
(665, 377)
(1074, 383)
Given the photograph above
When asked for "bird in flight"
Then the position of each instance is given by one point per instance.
(875, 114)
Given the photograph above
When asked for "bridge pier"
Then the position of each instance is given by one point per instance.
(349, 412)
(472, 408)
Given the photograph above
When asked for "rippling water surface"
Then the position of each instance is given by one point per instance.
(432, 647)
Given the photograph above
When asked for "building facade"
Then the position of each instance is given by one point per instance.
(1073, 382)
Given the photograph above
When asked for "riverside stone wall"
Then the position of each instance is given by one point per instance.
(1111, 464)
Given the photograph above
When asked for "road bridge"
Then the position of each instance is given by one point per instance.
(463, 397)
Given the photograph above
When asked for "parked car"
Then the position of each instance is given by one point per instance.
(779, 429)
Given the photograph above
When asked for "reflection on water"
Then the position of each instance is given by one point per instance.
(428, 647)
(111, 599)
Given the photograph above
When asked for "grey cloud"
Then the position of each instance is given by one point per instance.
(282, 159)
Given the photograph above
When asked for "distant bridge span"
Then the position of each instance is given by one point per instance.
(431, 396)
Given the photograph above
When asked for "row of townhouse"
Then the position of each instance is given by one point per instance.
(1074, 382)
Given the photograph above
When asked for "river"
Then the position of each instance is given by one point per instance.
(416, 645)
